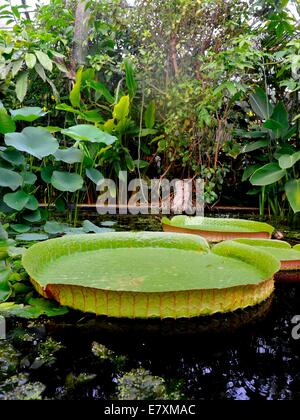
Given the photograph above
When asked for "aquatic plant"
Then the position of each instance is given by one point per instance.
(217, 229)
(283, 251)
(150, 275)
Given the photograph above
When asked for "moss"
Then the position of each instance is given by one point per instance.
(139, 384)
(20, 388)
(103, 353)
(9, 360)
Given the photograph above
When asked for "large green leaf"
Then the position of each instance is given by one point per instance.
(7, 125)
(102, 90)
(150, 115)
(5, 289)
(69, 156)
(33, 217)
(44, 60)
(113, 274)
(28, 113)
(32, 237)
(34, 309)
(86, 132)
(94, 175)
(65, 181)
(10, 179)
(13, 156)
(280, 115)
(249, 171)
(30, 60)
(75, 96)
(267, 175)
(35, 141)
(130, 80)
(288, 161)
(251, 147)
(22, 86)
(292, 189)
(260, 104)
(16, 200)
(121, 110)
(3, 233)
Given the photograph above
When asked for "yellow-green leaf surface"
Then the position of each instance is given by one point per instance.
(144, 275)
(218, 224)
(281, 250)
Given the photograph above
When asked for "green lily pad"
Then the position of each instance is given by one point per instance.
(28, 237)
(218, 229)
(283, 251)
(144, 275)
(20, 228)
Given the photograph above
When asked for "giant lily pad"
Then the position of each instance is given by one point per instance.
(283, 251)
(150, 275)
(216, 230)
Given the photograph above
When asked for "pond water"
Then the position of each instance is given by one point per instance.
(249, 354)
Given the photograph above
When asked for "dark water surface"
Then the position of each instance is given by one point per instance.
(249, 354)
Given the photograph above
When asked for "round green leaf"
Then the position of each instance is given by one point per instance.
(33, 217)
(20, 228)
(35, 141)
(29, 178)
(69, 156)
(32, 203)
(10, 179)
(46, 173)
(28, 113)
(13, 156)
(87, 132)
(16, 200)
(65, 181)
(268, 174)
(28, 237)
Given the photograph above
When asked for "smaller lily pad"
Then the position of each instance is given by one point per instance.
(218, 229)
(283, 251)
(29, 237)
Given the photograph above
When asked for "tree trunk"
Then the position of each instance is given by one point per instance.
(173, 47)
(81, 29)
(26, 12)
